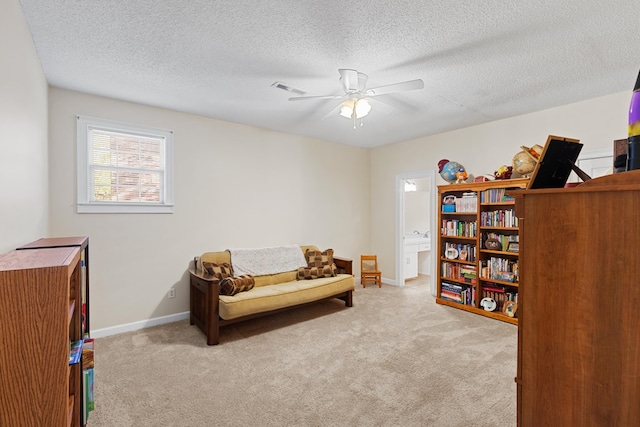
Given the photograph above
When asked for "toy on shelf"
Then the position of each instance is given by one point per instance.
(452, 172)
(503, 172)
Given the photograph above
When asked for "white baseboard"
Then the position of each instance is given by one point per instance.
(385, 281)
(128, 327)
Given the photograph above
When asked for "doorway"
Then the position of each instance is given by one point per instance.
(416, 227)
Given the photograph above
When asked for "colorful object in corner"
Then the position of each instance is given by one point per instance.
(503, 172)
(452, 172)
(634, 128)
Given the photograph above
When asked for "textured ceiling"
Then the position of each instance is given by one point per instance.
(480, 60)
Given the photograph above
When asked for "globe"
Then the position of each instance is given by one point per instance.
(524, 163)
(448, 170)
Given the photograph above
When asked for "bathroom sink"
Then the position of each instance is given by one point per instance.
(416, 239)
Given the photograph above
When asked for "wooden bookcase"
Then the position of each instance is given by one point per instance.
(578, 339)
(467, 270)
(40, 315)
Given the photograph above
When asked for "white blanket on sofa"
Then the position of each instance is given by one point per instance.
(272, 260)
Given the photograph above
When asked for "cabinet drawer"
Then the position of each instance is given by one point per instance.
(424, 247)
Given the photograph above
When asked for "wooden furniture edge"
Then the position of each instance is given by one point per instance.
(344, 264)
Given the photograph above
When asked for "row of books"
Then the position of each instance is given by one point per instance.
(504, 239)
(497, 268)
(82, 351)
(461, 272)
(499, 294)
(454, 227)
(467, 203)
(499, 218)
(88, 379)
(495, 195)
(458, 293)
(463, 252)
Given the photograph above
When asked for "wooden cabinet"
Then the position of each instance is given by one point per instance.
(40, 315)
(469, 269)
(578, 339)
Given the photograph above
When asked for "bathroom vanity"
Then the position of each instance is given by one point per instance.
(416, 255)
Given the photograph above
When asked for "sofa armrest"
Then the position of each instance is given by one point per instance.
(345, 265)
(204, 291)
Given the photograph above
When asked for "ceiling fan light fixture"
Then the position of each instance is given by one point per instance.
(346, 108)
(360, 107)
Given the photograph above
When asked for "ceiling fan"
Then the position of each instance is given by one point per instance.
(355, 100)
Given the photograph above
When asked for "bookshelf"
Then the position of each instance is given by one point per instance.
(578, 340)
(42, 286)
(469, 269)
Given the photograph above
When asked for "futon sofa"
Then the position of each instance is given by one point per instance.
(319, 276)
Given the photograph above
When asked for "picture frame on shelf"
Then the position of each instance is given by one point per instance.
(513, 247)
(510, 308)
(493, 245)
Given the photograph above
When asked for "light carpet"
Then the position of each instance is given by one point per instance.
(394, 359)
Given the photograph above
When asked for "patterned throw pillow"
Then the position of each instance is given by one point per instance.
(232, 285)
(308, 273)
(319, 259)
(218, 270)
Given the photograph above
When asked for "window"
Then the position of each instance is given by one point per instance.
(123, 168)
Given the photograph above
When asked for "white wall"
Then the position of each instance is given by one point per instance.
(23, 126)
(482, 149)
(235, 186)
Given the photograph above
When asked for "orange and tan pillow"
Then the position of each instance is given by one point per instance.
(232, 285)
(319, 264)
(218, 270)
(308, 273)
(319, 259)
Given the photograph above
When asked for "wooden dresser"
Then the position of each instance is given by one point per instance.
(579, 320)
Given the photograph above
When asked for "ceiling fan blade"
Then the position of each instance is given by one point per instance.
(304, 98)
(333, 113)
(378, 105)
(349, 79)
(396, 87)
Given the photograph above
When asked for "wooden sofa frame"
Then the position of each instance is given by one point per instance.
(204, 292)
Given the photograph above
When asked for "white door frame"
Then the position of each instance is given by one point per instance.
(400, 179)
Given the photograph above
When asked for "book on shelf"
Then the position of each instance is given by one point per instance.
(75, 351)
(467, 203)
(500, 218)
(495, 195)
(87, 354)
(499, 294)
(455, 227)
(462, 272)
(497, 268)
(458, 293)
(87, 391)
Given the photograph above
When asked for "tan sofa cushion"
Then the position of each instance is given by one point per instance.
(272, 297)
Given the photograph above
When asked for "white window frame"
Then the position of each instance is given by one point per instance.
(84, 202)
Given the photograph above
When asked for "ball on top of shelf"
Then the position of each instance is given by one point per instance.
(452, 172)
